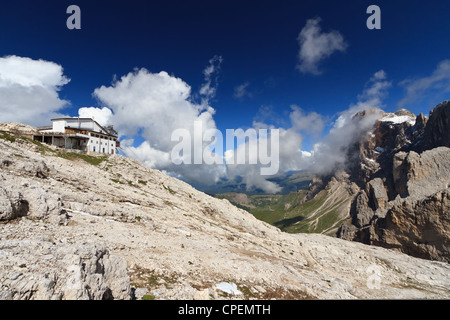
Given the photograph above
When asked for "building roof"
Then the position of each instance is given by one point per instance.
(72, 118)
(88, 119)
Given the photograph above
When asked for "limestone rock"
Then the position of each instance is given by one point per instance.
(427, 172)
(378, 193)
(437, 131)
(399, 173)
(105, 231)
(398, 195)
(41, 270)
(12, 204)
(419, 228)
(363, 213)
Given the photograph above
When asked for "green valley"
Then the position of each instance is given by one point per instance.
(290, 213)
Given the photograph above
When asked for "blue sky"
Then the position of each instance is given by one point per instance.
(259, 76)
(257, 40)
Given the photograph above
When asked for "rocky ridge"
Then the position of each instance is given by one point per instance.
(402, 172)
(79, 227)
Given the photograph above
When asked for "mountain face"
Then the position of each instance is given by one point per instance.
(400, 176)
(74, 226)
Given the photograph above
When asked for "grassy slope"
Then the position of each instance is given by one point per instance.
(319, 215)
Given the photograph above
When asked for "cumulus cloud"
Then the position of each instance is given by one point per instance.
(101, 115)
(290, 156)
(315, 46)
(438, 81)
(152, 106)
(330, 153)
(284, 154)
(149, 107)
(29, 90)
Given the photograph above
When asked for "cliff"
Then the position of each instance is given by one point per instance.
(402, 170)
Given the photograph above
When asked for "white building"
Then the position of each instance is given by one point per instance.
(83, 134)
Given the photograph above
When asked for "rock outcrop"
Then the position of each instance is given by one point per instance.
(115, 229)
(40, 269)
(403, 174)
(12, 204)
(420, 175)
(437, 131)
(416, 227)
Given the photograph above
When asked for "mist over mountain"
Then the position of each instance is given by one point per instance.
(289, 182)
(389, 187)
(397, 178)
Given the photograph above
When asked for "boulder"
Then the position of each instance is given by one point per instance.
(42, 270)
(12, 204)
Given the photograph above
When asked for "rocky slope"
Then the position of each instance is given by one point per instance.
(80, 227)
(401, 170)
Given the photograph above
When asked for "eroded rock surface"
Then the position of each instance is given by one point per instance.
(119, 230)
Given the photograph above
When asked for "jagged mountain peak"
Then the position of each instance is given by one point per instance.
(403, 162)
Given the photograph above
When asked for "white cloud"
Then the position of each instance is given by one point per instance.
(332, 152)
(152, 106)
(29, 90)
(156, 103)
(311, 122)
(101, 115)
(241, 91)
(209, 88)
(290, 155)
(375, 89)
(438, 81)
(149, 156)
(306, 154)
(316, 46)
